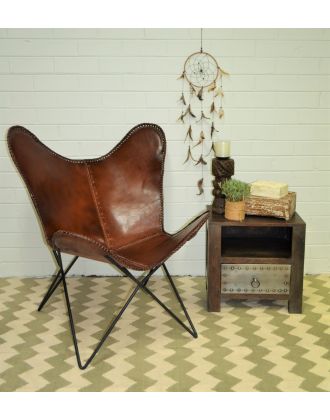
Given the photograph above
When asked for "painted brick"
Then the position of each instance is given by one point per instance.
(27, 47)
(16, 210)
(29, 33)
(301, 34)
(298, 48)
(80, 65)
(53, 99)
(31, 65)
(9, 83)
(4, 65)
(271, 99)
(293, 83)
(298, 66)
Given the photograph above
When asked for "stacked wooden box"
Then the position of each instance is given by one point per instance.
(270, 199)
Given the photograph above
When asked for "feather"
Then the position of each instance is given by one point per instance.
(201, 161)
(212, 87)
(219, 92)
(203, 116)
(213, 129)
(221, 113)
(189, 134)
(189, 111)
(182, 76)
(200, 94)
(212, 109)
(223, 72)
(189, 156)
(201, 139)
(192, 89)
(182, 99)
(200, 186)
(211, 149)
(181, 118)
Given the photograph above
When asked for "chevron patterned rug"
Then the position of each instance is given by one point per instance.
(249, 346)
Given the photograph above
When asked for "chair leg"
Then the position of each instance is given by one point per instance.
(124, 270)
(111, 326)
(195, 335)
(140, 284)
(56, 282)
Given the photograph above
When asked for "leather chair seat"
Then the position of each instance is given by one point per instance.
(142, 254)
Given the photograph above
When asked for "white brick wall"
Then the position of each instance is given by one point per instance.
(80, 91)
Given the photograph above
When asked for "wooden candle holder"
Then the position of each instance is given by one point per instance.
(222, 169)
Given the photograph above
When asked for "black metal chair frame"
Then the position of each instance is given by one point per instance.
(60, 277)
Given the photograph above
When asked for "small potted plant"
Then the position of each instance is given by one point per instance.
(235, 192)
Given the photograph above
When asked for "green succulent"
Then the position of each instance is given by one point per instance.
(235, 190)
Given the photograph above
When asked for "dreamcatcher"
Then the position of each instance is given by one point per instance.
(201, 100)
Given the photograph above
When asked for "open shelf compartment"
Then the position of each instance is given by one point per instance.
(258, 242)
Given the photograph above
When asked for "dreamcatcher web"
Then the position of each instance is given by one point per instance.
(201, 69)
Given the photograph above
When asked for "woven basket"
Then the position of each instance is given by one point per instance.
(235, 210)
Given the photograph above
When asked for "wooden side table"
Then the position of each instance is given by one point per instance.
(261, 257)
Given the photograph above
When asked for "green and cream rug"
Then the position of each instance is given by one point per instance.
(249, 346)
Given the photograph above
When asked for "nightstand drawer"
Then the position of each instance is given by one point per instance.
(255, 278)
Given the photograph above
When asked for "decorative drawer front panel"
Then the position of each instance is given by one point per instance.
(255, 278)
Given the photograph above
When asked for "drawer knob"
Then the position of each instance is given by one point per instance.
(255, 282)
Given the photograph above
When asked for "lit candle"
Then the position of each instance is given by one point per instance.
(222, 149)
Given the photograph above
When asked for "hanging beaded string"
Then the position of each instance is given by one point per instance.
(221, 112)
(212, 112)
(201, 143)
(201, 135)
(182, 98)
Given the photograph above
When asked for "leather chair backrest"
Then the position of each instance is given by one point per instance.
(115, 199)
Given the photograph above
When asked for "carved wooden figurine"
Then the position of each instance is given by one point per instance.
(222, 169)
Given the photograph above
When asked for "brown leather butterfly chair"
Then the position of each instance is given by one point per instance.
(108, 209)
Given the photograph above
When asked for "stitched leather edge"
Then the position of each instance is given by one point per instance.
(92, 160)
(162, 136)
(139, 240)
(22, 174)
(106, 250)
(97, 203)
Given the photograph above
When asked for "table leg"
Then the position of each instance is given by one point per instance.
(213, 267)
(297, 269)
